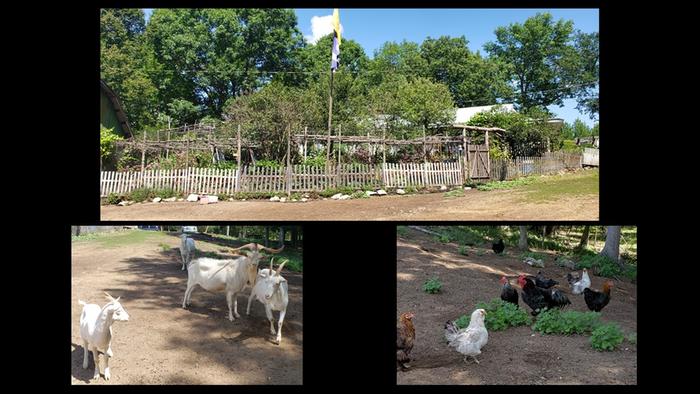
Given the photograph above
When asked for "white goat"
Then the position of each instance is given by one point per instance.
(187, 249)
(96, 330)
(271, 289)
(210, 275)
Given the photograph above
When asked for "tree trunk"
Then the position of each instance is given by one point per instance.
(584, 237)
(267, 235)
(281, 237)
(295, 236)
(522, 243)
(612, 244)
(227, 230)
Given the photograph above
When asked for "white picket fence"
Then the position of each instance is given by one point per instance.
(300, 178)
(422, 174)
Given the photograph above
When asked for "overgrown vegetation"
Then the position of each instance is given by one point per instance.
(497, 185)
(432, 286)
(455, 193)
(554, 321)
(402, 231)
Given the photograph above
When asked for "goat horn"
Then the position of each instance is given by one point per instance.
(246, 246)
(266, 249)
(272, 258)
(109, 297)
(279, 269)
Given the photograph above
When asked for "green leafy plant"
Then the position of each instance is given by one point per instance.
(359, 194)
(499, 315)
(534, 255)
(145, 193)
(480, 252)
(267, 163)
(114, 198)
(315, 161)
(632, 338)
(607, 337)
(164, 247)
(402, 231)
(432, 286)
(330, 192)
(554, 321)
(506, 184)
(463, 250)
(107, 140)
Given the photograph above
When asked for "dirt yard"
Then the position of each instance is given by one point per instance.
(515, 355)
(165, 344)
(510, 204)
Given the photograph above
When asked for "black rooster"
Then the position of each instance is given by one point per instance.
(596, 300)
(537, 299)
(541, 281)
(498, 247)
(508, 294)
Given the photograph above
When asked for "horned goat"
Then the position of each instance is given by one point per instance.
(96, 330)
(229, 276)
(271, 289)
(187, 250)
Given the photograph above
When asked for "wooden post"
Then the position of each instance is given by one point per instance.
(143, 152)
(488, 156)
(425, 159)
(167, 144)
(306, 128)
(465, 161)
(288, 174)
(238, 149)
(187, 152)
(330, 117)
(340, 135)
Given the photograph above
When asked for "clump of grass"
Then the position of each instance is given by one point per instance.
(506, 184)
(165, 247)
(359, 194)
(534, 255)
(432, 286)
(455, 193)
(463, 250)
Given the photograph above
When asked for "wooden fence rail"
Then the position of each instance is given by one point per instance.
(301, 178)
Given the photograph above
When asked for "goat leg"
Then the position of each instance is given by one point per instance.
(107, 375)
(279, 326)
(271, 318)
(235, 306)
(228, 302)
(96, 356)
(85, 354)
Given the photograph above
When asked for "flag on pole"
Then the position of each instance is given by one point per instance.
(335, 57)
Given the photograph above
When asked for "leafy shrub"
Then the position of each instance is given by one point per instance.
(607, 337)
(554, 321)
(164, 247)
(499, 315)
(534, 255)
(315, 161)
(606, 267)
(432, 286)
(632, 338)
(113, 198)
(444, 239)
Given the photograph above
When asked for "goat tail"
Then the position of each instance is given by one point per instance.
(82, 302)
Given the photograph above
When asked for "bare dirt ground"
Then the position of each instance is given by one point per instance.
(515, 355)
(475, 205)
(165, 344)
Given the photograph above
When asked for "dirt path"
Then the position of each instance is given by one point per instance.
(165, 344)
(515, 355)
(475, 205)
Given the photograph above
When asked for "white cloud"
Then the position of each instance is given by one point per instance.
(321, 26)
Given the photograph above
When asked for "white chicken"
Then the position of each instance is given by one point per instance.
(470, 340)
(585, 282)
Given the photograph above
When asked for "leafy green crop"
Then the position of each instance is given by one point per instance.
(499, 315)
(432, 286)
(554, 321)
(607, 337)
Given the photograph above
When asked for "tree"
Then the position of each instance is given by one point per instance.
(522, 242)
(538, 53)
(612, 243)
(584, 237)
(425, 103)
(471, 79)
(586, 69)
(207, 56)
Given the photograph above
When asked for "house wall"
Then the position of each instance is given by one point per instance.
(108, 116)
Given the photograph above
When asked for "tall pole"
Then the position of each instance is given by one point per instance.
(330, 117)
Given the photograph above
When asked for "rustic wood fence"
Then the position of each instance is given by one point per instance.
(300, 178)
(504, 169)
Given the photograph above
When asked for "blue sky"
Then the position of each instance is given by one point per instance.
(373, 27)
